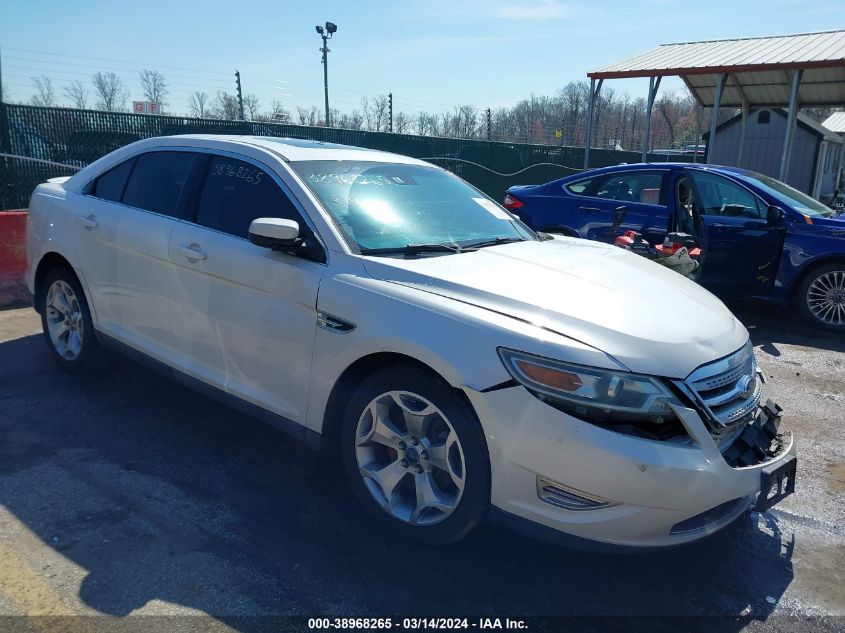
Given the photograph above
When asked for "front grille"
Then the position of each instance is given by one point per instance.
(729, 388)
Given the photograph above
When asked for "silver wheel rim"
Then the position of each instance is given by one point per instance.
(64, 320)
(826, 297)
(410, 458)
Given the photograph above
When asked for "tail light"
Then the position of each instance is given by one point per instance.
(512, 203)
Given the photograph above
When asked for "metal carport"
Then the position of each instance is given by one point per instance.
(785, 70)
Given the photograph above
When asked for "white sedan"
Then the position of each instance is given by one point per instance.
(378, 307)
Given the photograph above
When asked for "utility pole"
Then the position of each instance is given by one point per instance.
(326, 33)
(240, 96)
(489, 126)
(390, 109)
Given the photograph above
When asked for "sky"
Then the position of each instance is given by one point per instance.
(431, 54)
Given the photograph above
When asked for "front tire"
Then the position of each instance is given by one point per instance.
(821, 298)
(66, 321)
(415, 455)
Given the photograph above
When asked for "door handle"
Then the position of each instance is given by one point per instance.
(89, 221)
(192, 252)
(588, 209)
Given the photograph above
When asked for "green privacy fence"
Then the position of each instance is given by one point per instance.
(66, 139)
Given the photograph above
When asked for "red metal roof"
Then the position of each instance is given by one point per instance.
(759, 68)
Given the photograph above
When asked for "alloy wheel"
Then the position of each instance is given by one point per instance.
(410, 458)
(65, 324)
(826, 298)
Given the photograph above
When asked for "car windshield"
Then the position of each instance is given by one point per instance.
(801, 202)
(380, 207)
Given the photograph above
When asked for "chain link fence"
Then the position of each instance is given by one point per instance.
(61, 140)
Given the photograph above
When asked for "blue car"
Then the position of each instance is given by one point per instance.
(758, 236)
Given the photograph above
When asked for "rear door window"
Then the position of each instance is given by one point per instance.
(111, 184)
(639, 186)
(157, 182)
(236, 192)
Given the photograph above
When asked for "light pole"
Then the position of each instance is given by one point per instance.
(326, 33)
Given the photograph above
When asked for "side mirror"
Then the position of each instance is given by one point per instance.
(275, 233)
(775, 215)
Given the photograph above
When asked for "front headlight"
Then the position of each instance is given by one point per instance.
(595, 395)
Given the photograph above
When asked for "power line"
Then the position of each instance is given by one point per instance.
(105, 59)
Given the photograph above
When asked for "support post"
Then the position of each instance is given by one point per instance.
(240, 95)
(325, 51)
(790, 123)
(744, 110)
(744, 125)
(697, 132)
(594, 94)
(653, 85)
(711, 141)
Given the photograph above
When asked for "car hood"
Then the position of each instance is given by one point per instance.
(649, 318)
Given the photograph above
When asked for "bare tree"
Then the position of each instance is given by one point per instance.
(154, 86)
(307, 116)
(401, 123)
(112, 95)
(466, 121)
(426, 124)
(77, 93)
(278, 112)
(198, 103)
(618, 119)
(574, 96)
(44, 95)
(225, 106)
(352, 121)
(675, 111)
(376, 113)
(251, 106)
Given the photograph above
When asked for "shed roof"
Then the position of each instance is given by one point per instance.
(758, 68)
(835, 122)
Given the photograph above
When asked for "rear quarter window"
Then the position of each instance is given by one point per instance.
(579, 188)
(111, 184)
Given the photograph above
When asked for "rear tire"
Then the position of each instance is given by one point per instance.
(415, 455)
(821, 297)
(66, 321)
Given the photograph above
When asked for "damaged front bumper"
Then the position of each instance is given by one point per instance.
(762, 443)
(560, 473)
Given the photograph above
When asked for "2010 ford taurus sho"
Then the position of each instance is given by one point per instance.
(382, 309)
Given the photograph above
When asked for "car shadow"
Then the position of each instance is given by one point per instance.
(158, 493)
(771, 326)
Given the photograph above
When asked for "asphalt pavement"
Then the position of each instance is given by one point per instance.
(123, 494)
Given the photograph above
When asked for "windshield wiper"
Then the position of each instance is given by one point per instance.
(413, 249)
(494, 242)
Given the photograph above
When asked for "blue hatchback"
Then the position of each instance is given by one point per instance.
(759, 237)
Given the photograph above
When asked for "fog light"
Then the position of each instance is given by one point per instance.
(568, 498)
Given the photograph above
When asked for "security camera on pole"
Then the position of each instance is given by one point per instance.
(326, 33)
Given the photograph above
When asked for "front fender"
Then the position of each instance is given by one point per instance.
(459, 341)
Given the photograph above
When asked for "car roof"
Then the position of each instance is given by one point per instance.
(724, 169)
(293, 149)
